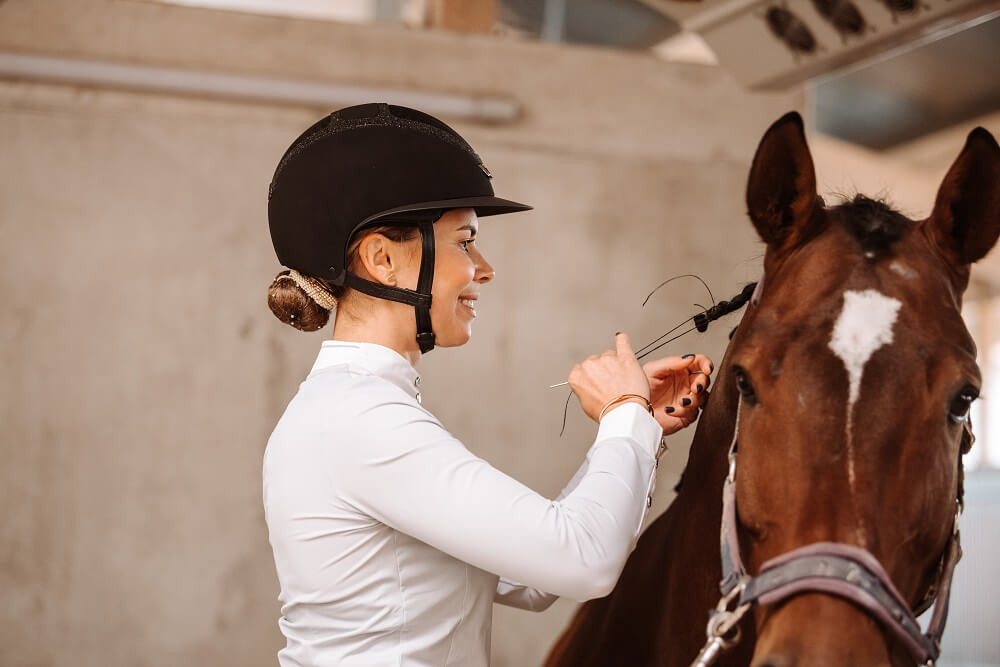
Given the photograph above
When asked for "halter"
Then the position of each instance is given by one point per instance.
(834, 568)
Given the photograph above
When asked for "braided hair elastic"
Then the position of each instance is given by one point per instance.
(315, 289)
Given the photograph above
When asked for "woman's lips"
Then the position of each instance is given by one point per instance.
(470, 304)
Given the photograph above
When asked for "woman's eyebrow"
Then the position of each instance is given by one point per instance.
(469, 228)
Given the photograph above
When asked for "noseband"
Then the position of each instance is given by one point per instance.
(834, 568)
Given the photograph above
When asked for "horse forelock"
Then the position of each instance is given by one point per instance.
(873, 223)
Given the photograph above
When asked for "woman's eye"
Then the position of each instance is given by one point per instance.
(958, 412)
(465, 244)
(744, 385)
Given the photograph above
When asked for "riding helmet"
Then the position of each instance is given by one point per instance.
(373, 165)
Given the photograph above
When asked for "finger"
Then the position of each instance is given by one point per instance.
(698, 402)
(623, 344)
(666, 366)
(698, 383)
(701, 364)
(704, 363)
(686, 405)
(704, 380)
(689, 414)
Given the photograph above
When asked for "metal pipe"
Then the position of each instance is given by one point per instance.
(326, 95)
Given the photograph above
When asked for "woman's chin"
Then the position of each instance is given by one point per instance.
(454, 338)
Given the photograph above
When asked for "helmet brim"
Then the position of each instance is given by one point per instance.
(484, 206)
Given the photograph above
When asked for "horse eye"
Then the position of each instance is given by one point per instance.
(959, 410)
(744, 385)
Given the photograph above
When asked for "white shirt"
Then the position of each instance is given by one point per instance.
(389, 535)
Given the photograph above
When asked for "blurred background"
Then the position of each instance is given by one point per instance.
(143, 372)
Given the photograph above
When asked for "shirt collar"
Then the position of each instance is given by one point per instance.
(373, 358)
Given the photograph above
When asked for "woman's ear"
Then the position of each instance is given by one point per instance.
(379, 258)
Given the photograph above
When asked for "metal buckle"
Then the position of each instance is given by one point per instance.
(723, 631)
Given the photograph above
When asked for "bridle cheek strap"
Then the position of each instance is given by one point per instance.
(939, 618)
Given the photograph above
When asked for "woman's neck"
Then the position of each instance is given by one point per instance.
(388, 324)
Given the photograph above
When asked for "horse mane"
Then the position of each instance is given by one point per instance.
(873, 223)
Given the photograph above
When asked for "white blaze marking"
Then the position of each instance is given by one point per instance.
(864, 326)
(903, 270)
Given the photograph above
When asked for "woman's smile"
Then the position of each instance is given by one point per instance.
(460, 271)
(468, 302)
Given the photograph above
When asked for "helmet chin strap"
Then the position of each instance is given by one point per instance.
(425, 334)
(419, 299)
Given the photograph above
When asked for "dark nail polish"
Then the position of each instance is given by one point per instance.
(687, 356)
(685, 402)
(700, 389)
(668, 409)
(617, 333)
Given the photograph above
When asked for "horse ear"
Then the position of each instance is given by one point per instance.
(781, 192)
(965, 222)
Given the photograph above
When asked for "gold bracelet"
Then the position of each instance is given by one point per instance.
(649, 406)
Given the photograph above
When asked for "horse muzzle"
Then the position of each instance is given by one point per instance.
(836, 633)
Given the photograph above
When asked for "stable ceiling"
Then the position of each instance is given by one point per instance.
(881, 72)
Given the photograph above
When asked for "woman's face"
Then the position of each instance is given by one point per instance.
(459, 272)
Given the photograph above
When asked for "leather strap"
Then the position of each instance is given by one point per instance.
(940, 617)
(399, 294)
(850, 573)
(733, 570)
(425, 334)
(420, 298)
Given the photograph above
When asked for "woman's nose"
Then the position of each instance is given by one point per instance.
(484, 271)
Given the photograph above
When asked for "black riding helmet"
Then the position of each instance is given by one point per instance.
(374, 165)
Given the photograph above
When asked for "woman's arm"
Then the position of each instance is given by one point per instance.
(514, 594)
(407, 471)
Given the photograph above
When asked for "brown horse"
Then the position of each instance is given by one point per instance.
(850, 376)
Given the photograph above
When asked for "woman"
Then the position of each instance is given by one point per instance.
(391, 540)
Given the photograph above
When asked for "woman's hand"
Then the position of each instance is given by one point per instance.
(678, 387)
(599, 379)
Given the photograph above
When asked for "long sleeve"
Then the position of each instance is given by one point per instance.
(405, 470)
(515, 594)
(392, 541)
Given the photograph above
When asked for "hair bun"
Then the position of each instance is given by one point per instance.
(293, 305)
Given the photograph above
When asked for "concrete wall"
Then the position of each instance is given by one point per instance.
(143, 371)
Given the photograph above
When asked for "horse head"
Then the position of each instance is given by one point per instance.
(855, 373)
